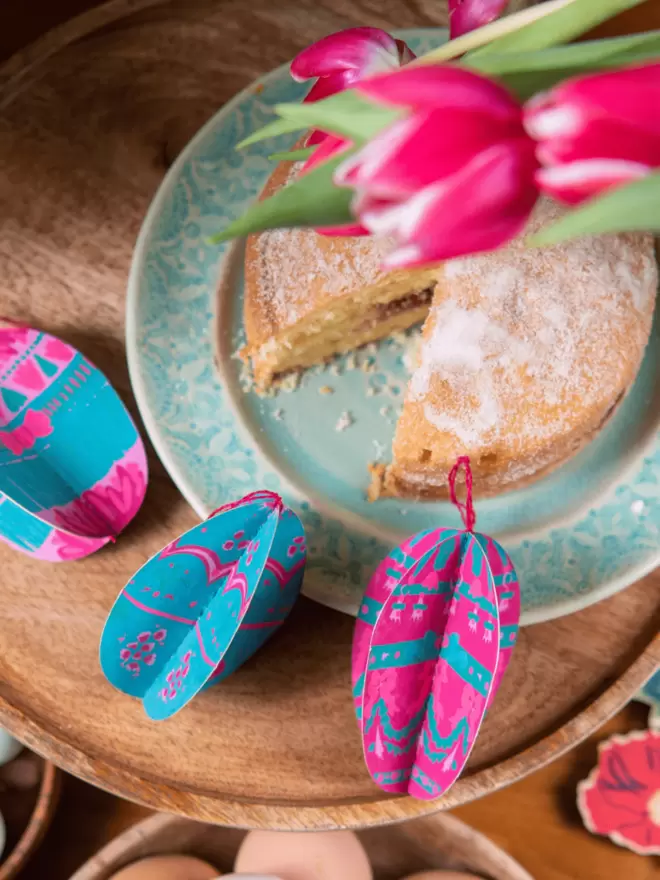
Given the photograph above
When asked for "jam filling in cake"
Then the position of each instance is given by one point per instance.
(525, 352)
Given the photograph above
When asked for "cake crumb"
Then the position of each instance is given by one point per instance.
(638, 507)
(368, 365)
(351, 361)
(278, 414)
(386, 411)
(377, 485)
(344, 421)
(326, 389)
(411, 354)
(398, 339)
(372, 391)
(245, 379)
(289, 383)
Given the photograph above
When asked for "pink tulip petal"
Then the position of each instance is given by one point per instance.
(344, 231)
(467, 15)
(406, 54)
(596, 132)
(366, 164)
(364, 49)
(331, 84)
(342, 59)
(441, 87)
(329, 146)
(480, 208)
(603, 138)
(630, 96)
(424, 147)
(315, 138)
(574, 182)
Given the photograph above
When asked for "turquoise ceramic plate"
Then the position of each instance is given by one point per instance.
(575, 537)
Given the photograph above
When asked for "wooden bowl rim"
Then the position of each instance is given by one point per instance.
(145, 829)
(42, 815)
(358, 814)
(116, 778)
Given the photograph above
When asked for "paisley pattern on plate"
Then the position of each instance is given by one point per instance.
(577, 536)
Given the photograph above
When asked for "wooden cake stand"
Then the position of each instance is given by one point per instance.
(91, 117)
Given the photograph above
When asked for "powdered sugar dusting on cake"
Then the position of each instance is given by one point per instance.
(557, 324)
(339, 270)
(281, 253)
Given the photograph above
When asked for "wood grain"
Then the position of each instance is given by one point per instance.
(91, 118)
(535, 820)
(434, 842)
(41, 809)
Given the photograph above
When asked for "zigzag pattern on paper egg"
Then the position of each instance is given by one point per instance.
(433, 639)
(73, 469)
(199, 608)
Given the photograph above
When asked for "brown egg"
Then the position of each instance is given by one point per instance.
(323, 855)
(437, 874)
(167, 868)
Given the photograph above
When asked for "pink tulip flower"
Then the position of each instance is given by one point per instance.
(468, 15)
(339, 60)
(332, 146)
(452, 177)
(596, 132)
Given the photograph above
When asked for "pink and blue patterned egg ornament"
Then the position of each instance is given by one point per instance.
(434, 636)
(204, 604)
(73, 469)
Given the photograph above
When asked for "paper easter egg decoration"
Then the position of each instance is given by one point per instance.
(73, 469)
(434, 635)
(205, 603)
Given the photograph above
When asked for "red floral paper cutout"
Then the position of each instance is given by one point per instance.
(621, 796)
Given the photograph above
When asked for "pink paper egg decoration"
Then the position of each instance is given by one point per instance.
(73, 468)
(434, 635)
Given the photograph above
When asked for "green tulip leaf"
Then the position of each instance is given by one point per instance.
(493, 32)
(581, 56)
(311, 200)
(633, 206)
(527, 73)
(546, 24)
(346, 113)
(273, 129)
(564, 23)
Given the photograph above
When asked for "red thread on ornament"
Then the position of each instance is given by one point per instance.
(260, 495)
(466, 510)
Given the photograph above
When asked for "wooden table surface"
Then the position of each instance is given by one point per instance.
(535, 819)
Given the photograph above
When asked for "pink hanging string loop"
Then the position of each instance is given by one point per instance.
(272, 499)
(466, 509)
